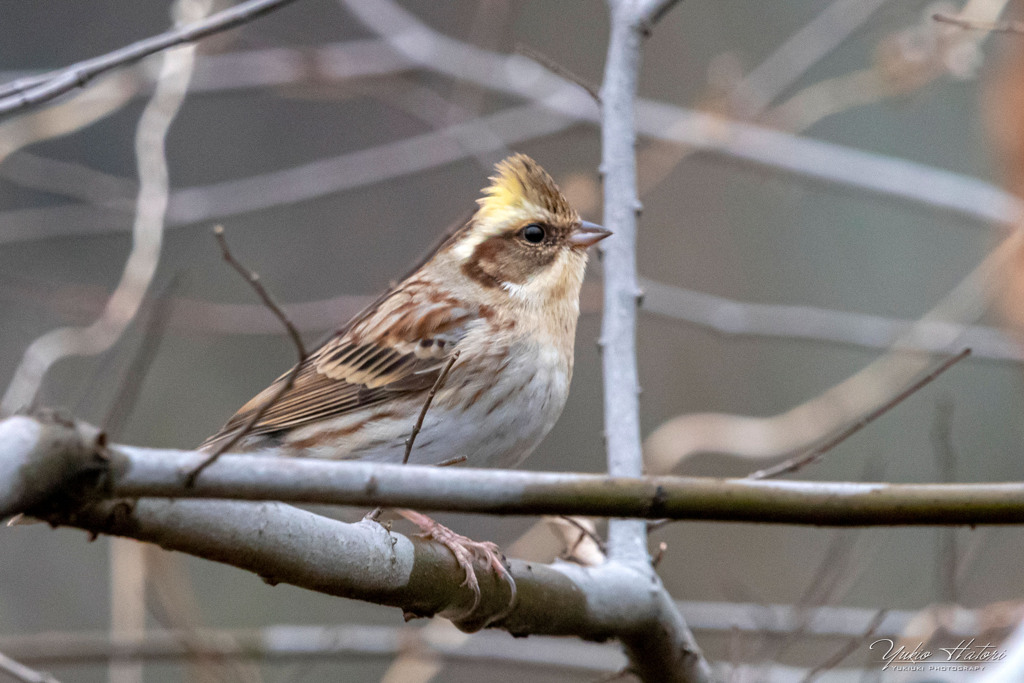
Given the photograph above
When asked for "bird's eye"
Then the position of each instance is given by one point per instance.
(533, 233)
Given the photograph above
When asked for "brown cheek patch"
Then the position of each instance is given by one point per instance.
(499, 260)
(476, 269)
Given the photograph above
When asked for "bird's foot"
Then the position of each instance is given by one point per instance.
(467, 553)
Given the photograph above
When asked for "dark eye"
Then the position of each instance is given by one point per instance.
(533, 233)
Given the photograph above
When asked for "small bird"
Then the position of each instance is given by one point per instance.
(502, 293)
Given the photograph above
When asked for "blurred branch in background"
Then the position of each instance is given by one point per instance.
(283, 643)
(556, 105)
(147, 238)
(19, 672)
(728, 316)
(754, 437)
(36, 90)
(439, 639)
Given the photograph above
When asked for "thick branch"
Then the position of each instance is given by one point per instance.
(364, 561)
(65, 454)
(500, 492)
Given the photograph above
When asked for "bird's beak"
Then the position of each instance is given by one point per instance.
(587, 235)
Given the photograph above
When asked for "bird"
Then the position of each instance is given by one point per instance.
(492, 310)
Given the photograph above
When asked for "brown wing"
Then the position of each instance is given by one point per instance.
(397, 347)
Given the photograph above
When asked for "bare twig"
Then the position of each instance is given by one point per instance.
(38, 89)
(659, 554)
(452, 461)
(254, 281)
(976, 25)
(374, 514)
(795, 463)
(559, 69)
(22, 673)
(438, 383)
(127, 394)
(585, 532)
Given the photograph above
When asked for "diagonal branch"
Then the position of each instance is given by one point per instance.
(19, 672)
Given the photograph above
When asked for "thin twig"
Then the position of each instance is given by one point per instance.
(796, 462)
(20, 672)
(153, 329)
(35, 90)
(585, 533)
(976, 25)
(659, 554)
(438, 383)
(558, 69)
(374, 514)
(656, 524)
(254, 280)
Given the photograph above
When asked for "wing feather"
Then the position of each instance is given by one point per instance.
(397, 349)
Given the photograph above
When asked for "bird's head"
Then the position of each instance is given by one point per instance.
(524, 239)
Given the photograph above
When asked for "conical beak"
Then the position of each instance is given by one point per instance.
(587, 235)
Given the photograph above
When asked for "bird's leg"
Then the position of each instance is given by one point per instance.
(466, 552)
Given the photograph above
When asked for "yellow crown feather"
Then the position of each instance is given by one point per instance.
(521, 186)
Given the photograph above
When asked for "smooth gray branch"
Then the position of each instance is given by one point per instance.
(672, 654)
(152, 473)
(43, 455)
(627, 541)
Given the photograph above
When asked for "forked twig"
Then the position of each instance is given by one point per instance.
(978, 25)
(798, 461)
(254, 281)
(438, 383)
